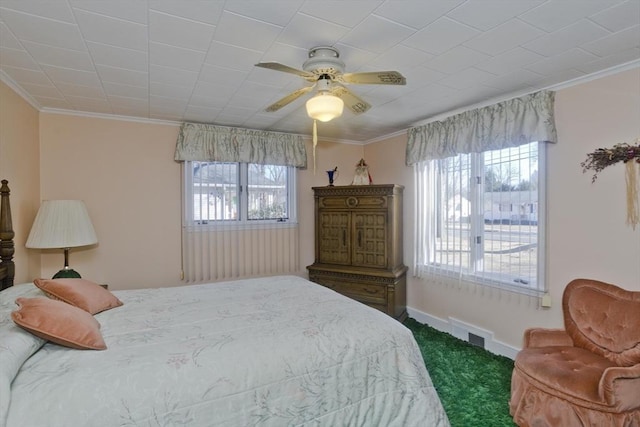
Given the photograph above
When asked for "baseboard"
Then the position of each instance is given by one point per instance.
(461, 330)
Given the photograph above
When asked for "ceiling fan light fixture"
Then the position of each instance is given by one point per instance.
(324, 107)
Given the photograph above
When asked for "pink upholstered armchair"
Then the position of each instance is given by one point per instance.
(587, 374)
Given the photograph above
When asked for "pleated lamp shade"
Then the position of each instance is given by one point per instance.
(62, 224)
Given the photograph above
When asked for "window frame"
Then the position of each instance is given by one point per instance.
(242, 193)
(477, 225)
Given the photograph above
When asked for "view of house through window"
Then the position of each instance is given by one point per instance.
(240, 192)
(487, 220)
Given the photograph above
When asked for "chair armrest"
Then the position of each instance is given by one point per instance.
(541, 337)
(619, 387)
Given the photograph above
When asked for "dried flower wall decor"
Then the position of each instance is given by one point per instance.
(629, 154)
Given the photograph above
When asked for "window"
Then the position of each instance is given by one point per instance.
(484, 217)
(239, 193)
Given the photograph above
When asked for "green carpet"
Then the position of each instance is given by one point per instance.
(473, 384)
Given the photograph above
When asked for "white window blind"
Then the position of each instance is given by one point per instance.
(481, 217)
(239, 220)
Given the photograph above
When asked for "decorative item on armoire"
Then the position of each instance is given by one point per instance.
(363, 177)
(333, 175)
(630, 155)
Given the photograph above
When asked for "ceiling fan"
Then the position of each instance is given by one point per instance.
(325, 70)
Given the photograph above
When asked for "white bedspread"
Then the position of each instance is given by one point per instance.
(262, 352)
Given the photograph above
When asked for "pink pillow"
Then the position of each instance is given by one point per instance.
(59, 322)
(81, 293)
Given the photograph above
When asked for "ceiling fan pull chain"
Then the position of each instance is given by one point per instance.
(315, 142)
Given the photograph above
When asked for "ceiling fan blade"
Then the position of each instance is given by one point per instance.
(285, 68)
(374, 78)
(351, 101)
(288, 99)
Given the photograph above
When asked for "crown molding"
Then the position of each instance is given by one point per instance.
(6, 79)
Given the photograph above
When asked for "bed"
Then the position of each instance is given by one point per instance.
(272, 351)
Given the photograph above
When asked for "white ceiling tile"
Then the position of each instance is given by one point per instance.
(112, 31)
(556, 14)
(67, 75)
(142, 112)
(69, 89)
(169, 91)
(202, 114)
(487, 14)
(250, 101)
(92, 104)
(172, 76)
(277, 12)
(122, 75)
(416, 13)
(466, 78)
(134, 11)
(211, 94)
(235, 57)
(559, 63)
(610, 61)
(120, 57)
(176, 31)
(513, 80)
(504, 37)
(557, 42)
(23, 75)
(456, 60)
(206, 11)
(50, 55)
(400, 57)
(56, 10)
(7, 39)
(43, 30)
(245, 32)
(354, 58)
(53, 103)
(220, 75)
(128, 102)
(161, 104)
(117, 89)
(17, 58)
(175, 57)
(610, 44)
(48, 91)
(324, 33)
(561, 77)
(199, 55)
(509, 61)
(440, 36)
(351, 13)
(258, 90)
(619, 16)
(363, 36)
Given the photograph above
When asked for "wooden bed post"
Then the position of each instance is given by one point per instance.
(7, 248)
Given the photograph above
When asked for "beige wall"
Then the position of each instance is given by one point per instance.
(587, 235)
(125, 173)
(20, 165)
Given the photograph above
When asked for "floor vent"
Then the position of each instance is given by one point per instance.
(476, 340)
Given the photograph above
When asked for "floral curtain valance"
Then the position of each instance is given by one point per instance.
(506, 124)
(210, 143)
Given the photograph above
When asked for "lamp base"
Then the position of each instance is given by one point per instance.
(67, 273)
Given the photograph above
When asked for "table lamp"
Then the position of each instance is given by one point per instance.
(62, 224)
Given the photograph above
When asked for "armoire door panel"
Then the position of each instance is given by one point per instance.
(335, 238)
(370, 249)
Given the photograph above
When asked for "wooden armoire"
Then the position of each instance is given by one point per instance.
(358, 245)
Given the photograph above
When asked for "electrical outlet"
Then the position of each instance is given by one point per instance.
(546, 301)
